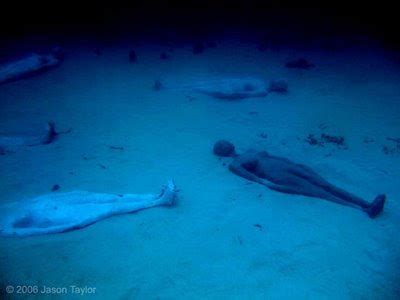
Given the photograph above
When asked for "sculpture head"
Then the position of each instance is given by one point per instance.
(224, 148)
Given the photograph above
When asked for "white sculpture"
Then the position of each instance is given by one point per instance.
(29, 65)
(61, 212)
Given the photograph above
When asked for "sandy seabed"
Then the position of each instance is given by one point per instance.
(226, 238)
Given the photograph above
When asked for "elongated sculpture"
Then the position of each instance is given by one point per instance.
(234, 88)
(61, 212)
(282, 175)
(9, 143)
(29, 65)
(40, 138)
(229, 88)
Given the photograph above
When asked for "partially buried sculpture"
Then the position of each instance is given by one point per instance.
(30, 65)
(283, 175)
(43, 137)
(230, 88)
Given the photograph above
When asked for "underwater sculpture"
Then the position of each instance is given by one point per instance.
(236, 88)
(224, 148)
(48, 136)
(61, 212)
(29, 65)
(282, 175)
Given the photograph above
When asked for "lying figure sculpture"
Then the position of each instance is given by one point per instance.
(61, 212)
(47, 136)
(282, 175)
(40, 138)
(232, 88)
(29, 65)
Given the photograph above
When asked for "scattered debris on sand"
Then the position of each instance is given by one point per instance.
(259, 226)
(116, 148)
(313, 141)
(263, 135)
(55, 188)
(338, 140)
(393, 148)
(396, 140)
(368, 140)
(324, 139)
(102, 166)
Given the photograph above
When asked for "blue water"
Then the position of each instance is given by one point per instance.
(225, 238)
